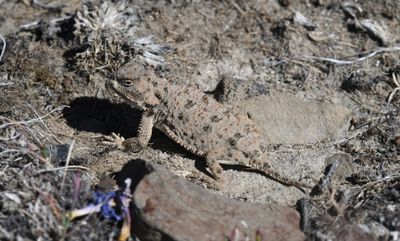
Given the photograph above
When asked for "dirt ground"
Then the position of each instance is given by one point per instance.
(320, 78)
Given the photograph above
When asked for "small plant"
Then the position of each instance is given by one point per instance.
(109, 34)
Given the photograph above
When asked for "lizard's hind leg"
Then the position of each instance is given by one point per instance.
(215, 167)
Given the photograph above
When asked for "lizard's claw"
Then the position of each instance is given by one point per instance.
(132, 144)
(114, 140)
(204, 180)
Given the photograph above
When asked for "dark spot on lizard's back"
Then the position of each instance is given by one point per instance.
(165, 90)
(216, 118)
(249, 115)
(189, 104)
(230, 154)
(226, 113)
(248, 127)
(238, 135)
(232, 142)
(205, 99)
(255, 154)
(207, 129)
(180, 116)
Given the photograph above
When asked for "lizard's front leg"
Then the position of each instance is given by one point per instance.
(145, 129)
(136, 143)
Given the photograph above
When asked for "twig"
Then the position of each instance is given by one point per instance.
(371, 184)
(234, 4)
(44, 124)
(31, 120)
(354, 135)
(23, 151)
(396, 82)
(38, 4)
(31, 25)
(9, 151)
(6, 83)
(63, 168)
(4, 47)
(33, 135)
(66, 165)
(4, 169)
(369, 55)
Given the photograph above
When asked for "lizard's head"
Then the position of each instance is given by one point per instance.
(134, 83)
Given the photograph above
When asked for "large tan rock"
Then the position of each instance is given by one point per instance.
(167, 207)
(287, 119)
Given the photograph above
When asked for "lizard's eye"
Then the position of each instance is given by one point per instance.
(127, 82)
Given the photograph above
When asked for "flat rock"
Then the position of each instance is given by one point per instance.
(168, 207)
(287, 119)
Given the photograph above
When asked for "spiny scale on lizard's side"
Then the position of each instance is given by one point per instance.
(194, 120)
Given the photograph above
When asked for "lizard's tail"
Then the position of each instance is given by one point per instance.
(284, 180)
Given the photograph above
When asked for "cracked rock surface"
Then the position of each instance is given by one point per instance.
(168, 207)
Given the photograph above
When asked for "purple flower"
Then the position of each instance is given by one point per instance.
(108, 203)
(111, 205)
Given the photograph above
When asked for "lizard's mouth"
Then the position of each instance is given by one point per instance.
(115, 86)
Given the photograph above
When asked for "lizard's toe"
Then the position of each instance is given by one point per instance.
(114, 140)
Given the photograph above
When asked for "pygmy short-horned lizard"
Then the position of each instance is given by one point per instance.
(194, 120)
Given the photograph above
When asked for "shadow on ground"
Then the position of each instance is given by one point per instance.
(102, 116)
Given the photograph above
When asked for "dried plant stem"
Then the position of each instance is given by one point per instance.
(4, 47)
(71, 146)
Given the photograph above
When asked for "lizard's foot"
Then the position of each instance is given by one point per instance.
(131, 144)
(205, 180)
(114, 140)
(216, 171)
(215, 168)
